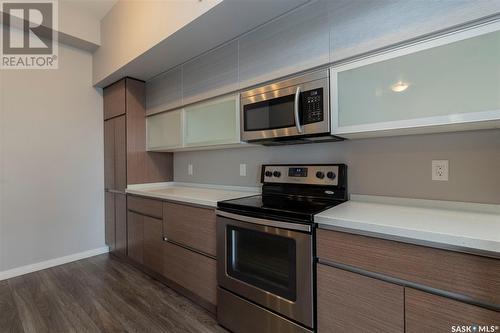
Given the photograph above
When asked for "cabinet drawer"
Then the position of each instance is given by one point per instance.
(349, 302)
(192, 271)
(191, 226)
(145, 206)
(473, 276)
(430, 313)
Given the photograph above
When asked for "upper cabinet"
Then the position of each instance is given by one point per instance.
(164, 131)
(164, 92)
(205, 125)
(114, 100)
(444, 84)
(212, 74)
(215, 122)
(295, 42)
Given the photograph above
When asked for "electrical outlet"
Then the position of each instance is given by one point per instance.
(190, 169)
(440, 170)
(243, 170)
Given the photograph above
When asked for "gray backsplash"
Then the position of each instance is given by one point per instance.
(394, 166)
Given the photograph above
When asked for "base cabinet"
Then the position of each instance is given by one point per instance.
(175, 243)
(367, 284)
(120, 224)
(109, 220)
(349, 302)
(145, 237)
(193, 271)
(115, 222)
(431, 313)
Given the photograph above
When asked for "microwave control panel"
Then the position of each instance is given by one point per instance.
(312, 106)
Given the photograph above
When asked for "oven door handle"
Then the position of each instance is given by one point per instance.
(265, 222)
(296, 110)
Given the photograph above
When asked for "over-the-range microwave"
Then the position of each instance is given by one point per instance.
(291, 111)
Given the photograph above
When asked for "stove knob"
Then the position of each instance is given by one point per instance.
(320, 175)
(277, 174)
(331, 175)
(268, 174)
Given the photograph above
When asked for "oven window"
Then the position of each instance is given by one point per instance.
(272, 114)
(263, 260)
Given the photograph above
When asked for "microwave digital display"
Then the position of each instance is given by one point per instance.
(297, 172)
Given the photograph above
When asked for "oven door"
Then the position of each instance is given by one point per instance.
(266, 264)
(301, 109)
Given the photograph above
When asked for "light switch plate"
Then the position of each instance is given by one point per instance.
(440, 170)
(243, 170)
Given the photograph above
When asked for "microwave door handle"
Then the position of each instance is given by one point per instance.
(296, 110)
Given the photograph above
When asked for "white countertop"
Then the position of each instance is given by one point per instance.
(468, 227)
(199, 194)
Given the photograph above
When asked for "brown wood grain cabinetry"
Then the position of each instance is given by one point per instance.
(125, 158)
(475, 277)
(153, 244)
(145, 206)
(364, 291)
(120, 150)
(193, 271)
(190, 226)
(430, 313)
(115, 154)
(135, 234)
(145, 233)
(349, 302)
(109, 154)
(114, 100)
(120, 224)
(109, 219)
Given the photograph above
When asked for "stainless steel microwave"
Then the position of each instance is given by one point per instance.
(295, 110)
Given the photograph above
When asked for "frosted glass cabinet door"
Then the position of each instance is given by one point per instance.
(215, 122)
(449, 83)
(164, 130)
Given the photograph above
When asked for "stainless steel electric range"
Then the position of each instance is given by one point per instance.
(266, 248)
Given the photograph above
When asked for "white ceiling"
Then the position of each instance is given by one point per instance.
(94, 8)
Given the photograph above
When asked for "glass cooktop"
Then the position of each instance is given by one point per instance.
(282, 207)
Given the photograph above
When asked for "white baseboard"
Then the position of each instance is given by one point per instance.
(51, 263)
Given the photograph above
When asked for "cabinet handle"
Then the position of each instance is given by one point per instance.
(296, 110)
(165, 239)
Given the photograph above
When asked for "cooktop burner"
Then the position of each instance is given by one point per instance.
(293, 193)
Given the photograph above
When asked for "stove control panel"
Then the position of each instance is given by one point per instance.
(321, 174)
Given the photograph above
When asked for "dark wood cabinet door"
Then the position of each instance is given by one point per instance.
(135, 232)
(190, 226)
(430, 313)
(444, 270)
(349, 302)
(109, 155)
(120, 224)
(153, 244)
(109, 219)
(114, 100)
(192, 271)
(120, 150)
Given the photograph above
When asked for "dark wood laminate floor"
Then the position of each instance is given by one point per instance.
(99, 294)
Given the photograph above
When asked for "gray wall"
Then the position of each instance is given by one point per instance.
(395, 166)
(51, 162)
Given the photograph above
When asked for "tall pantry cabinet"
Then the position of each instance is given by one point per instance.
(125, 158)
